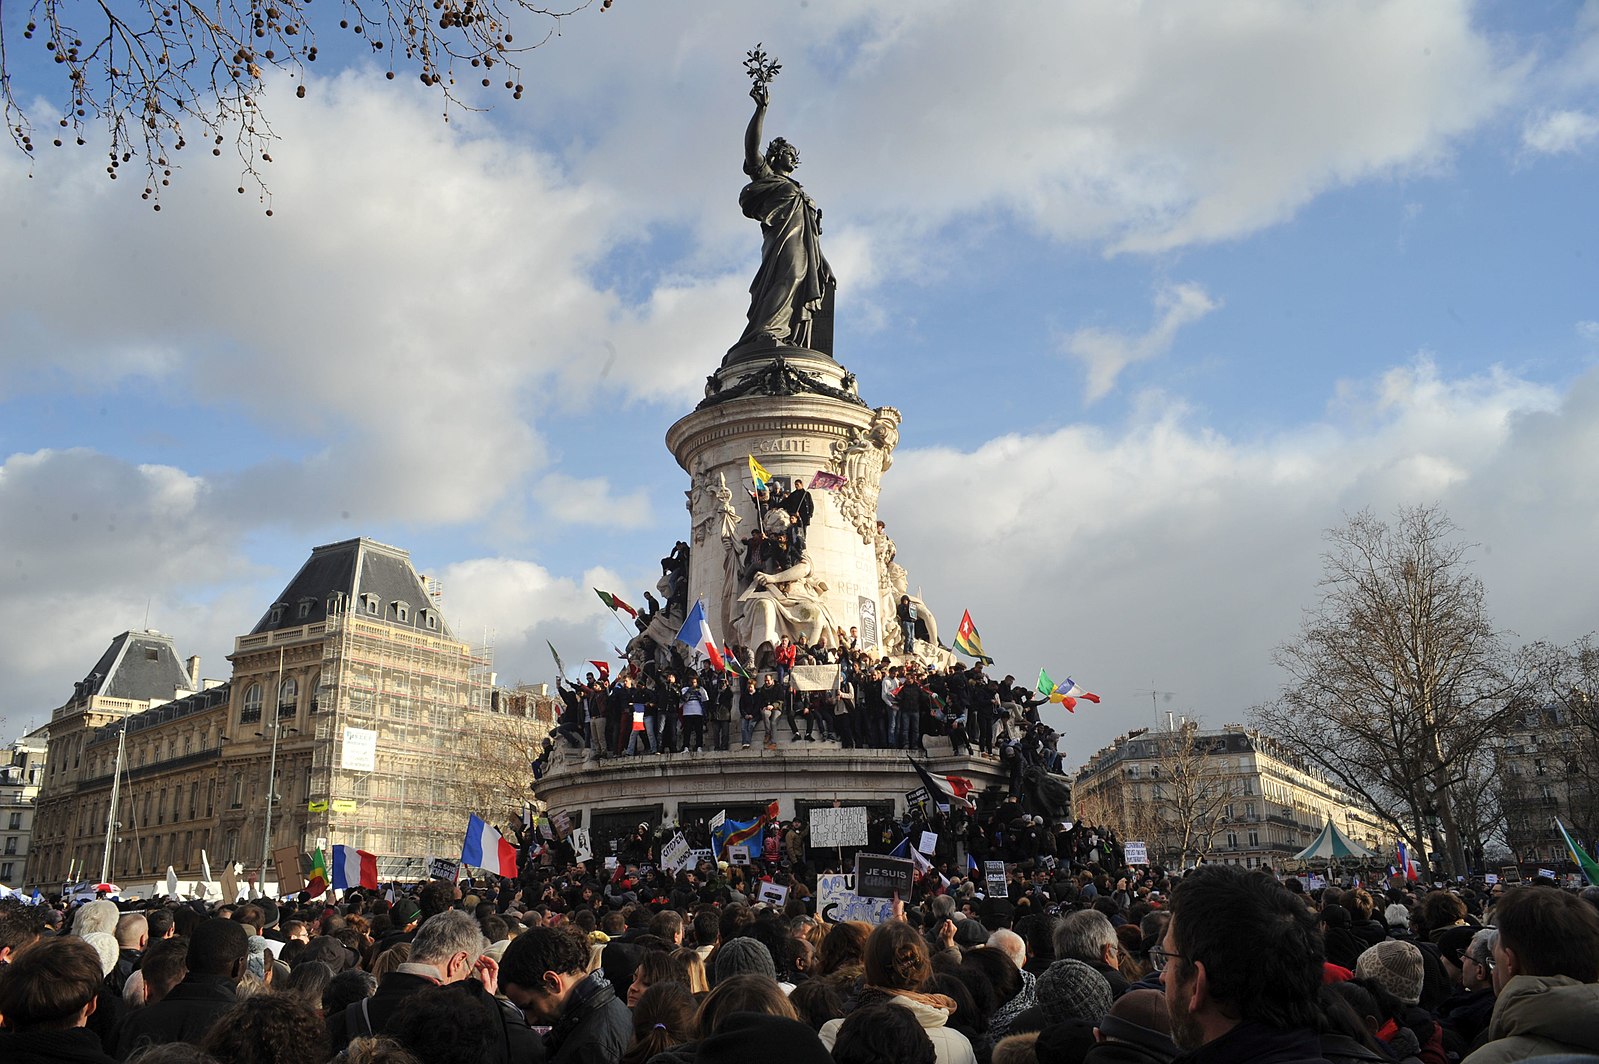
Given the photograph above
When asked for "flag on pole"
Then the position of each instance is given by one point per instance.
(172, 882)
(486, 848)
(615, 603)
(560, 666)
(736, 833)
(696, 632)
(603, 666)
(733, 664)
(1406, 865)
(822, 480)
(354, 868)
(759, 474)
(205, 869)
(317, 881)
(1590, 868)
(971, 863)
(1046, 686)
(906, 850)
(1073, 690)
(951, 789)
(968, 642)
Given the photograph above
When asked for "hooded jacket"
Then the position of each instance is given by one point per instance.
(950, 1045)
(1538, 1015)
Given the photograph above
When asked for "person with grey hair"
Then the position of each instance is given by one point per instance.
(1089, 936)
(96, 916)
(1465, 1014)
(449, 950)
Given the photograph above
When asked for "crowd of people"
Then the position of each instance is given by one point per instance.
(869, 703)
(1076, 959)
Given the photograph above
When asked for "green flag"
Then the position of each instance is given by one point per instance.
(1590, 867)
(1046, 686)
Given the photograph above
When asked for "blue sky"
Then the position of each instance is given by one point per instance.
(1162, 290)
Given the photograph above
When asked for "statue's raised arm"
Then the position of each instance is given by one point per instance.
(752, 135)
(794, 278)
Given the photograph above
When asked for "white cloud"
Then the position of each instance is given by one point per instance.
(1106, 352)
(1559, 132)
(1164, 555)
(590, 501)
(1588, 330)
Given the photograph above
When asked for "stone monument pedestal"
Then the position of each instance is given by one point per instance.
(797, 413)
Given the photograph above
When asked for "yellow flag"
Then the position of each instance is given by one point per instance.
(761, 477)
(316, 806)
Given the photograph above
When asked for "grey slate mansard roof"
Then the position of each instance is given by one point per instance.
(139, 666)
(355, 568)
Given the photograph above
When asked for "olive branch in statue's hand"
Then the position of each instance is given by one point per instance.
(761, 68)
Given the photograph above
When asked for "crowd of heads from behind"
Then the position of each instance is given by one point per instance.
(1090, 962)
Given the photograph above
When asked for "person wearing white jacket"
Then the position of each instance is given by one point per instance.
(897, 967)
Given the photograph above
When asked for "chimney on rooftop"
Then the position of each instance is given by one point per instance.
(194, 672)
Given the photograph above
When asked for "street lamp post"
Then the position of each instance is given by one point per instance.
(272, 784)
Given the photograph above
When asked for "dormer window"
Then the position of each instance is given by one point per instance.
(305, 608)
(402, 612)
(373, 606)
(430, 619)
(278, 610)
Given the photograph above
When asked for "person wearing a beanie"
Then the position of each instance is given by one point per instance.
(744, 956)
(1068, 990)
(898, 966)
(1394, 966)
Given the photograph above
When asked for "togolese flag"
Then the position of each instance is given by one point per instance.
(968, 642)
(612, 602)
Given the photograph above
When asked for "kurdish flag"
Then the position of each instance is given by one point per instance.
(485, 848)
(317, 881)
(733, 664)
(1590, 867)
(612, 602)
(354, 868)
(968, 642)
(758, 473)
(696, 632)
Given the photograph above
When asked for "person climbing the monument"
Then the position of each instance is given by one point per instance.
(799, 507)
(794, 278)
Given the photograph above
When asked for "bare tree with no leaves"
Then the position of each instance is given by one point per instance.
(150, 76)
(1398, 679)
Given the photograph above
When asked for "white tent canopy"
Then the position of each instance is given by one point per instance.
(1333, 845)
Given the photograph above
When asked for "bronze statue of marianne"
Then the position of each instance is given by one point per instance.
(794, 279)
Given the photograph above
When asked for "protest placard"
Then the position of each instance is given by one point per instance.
(287, 859)
(929, 842)
(880, 876)
(443, 868)
(738, 855)
(814, 677)
(697, 856)
(1136, 853)
(844, 826)
(675, 854)
(581, 848)
(772, 894)
(1489, 879)
(837, 901)
(994, 876)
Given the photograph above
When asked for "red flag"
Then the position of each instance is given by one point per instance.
(604, 667)
(771, 810)
(615, 603)
(715, 657)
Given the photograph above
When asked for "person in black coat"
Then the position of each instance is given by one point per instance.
(218, 952)
(47, 995)
(543, 974)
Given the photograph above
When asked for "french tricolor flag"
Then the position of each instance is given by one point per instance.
(1406, 865)
(696, 632)
(486, 848)
(353, 868)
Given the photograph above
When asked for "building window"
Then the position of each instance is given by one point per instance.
(194, 800)
(11, 845)
(237, 801)
(16, 822)
(432, 620)
(315, 686)
(5, 870)
(372, 606)
(252, 705)
(1232, 840)
(288, 697)
(1254, 838)
(277, 614)
(305, 609)
(402, 612)
(230, 845)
